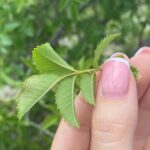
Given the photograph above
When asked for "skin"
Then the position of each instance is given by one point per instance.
(121, 123)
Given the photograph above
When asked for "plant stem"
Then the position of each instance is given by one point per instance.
(85, 71)
(78, 72)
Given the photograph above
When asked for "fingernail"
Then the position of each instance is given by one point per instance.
(120, 55)
(115, 77)
(143, 50)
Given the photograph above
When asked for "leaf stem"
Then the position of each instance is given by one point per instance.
(78, 72)
(87, 71)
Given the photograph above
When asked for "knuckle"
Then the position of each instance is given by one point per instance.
(109, 131)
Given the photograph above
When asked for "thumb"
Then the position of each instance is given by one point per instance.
(115, 115)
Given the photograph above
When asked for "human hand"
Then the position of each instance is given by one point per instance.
(121, 118)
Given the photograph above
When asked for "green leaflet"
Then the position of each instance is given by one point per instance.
(101, 47)
(65, 100)
(87, 87)
(47, 60)
(33, 90)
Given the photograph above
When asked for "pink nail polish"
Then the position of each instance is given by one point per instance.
(143, 50)
(115, 77)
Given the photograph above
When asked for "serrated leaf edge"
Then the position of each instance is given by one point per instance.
(21, 115)
(76, 120)
(93, 102)
(47, 44)
(100, 45)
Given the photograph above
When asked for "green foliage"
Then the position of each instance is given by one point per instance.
(63, 4)
(25, 133)
(46, 60)
(22, 27)
(34, 89)
(37, 86)
(87, 87)
(102, 46)
(54, 69)
(65, 100)
(73, 31)
(57, 71)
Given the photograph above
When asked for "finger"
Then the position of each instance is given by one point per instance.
(70, 138)
(142, 61)
(115, 115)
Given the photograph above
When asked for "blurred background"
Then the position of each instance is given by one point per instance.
(73, 27)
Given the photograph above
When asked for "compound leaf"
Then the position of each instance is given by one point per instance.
(87, 87)
(54, 69)
(47, 60)
(34, 88)
(102, 45)
(65, 100)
